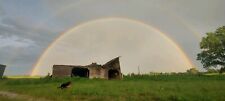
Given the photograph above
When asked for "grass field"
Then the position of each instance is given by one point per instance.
(136, 88)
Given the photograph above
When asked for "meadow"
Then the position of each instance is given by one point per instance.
(179, 87)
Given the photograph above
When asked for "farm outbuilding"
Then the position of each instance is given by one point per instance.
(2, 69)
(110, 70)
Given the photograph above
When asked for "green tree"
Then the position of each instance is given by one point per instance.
(213, 49)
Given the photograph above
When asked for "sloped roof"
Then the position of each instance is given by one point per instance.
(112, 61)
(109, 63)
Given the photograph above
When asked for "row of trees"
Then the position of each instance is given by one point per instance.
(209, 70)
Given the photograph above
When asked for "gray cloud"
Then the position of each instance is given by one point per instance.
(21, 44)
(15, 41)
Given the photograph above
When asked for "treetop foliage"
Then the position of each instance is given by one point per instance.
(213, 49)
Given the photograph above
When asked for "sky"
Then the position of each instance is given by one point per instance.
(29, 27)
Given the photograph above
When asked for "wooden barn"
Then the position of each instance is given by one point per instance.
(2, 69)
(110, 70)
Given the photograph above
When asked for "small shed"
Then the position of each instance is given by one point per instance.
(2, 70)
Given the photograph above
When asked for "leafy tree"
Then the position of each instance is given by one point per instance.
(213, 49)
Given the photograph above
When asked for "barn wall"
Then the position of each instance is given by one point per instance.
(2, 69)
(96, 72)
(62, 71)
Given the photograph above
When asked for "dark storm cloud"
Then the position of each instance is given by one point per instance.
(21, 45)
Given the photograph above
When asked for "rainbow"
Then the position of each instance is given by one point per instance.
(35, 69)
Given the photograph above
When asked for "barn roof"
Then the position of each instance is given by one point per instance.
(109, 63)
(115, 60)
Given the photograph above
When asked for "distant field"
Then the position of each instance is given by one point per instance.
(136, 88)
(24, 76)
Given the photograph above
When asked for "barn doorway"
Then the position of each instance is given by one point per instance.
(113, 74)
(80, 72)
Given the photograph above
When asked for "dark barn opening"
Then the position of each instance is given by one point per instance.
(80, 72)
(113, 74)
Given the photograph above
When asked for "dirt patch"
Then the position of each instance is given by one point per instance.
(12, 95)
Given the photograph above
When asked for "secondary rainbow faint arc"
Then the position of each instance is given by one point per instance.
(35, 69)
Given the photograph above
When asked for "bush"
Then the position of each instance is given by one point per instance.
(192, 71)
(222, 70)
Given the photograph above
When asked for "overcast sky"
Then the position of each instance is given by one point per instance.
(27, 27)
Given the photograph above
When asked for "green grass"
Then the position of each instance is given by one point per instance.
(137, 88)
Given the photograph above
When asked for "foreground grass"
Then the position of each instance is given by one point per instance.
(138, 88)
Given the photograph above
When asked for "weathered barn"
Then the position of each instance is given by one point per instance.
(110, 70)
(2, 69)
